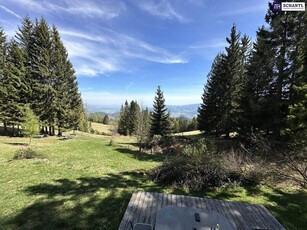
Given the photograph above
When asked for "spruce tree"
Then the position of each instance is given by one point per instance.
(61, 71)
(160, 124)
(287, 30)
(14, 84)
(211, 110)
(134, 110)
(142, 128)
(123, 128)
(26, 42)
(257, 95)
(234, 69)
(106, 120)
(45, 78)
(297, 118)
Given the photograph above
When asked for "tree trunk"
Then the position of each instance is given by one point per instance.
(59, 131)
(5, 127)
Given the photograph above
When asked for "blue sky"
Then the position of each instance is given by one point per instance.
(124, 49)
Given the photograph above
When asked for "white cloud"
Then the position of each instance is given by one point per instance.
(207, 50)
(10, 11)
(107, 8)
(110, 51)
(162, 9)
(129, 85)
(259, 7)
(213, 44)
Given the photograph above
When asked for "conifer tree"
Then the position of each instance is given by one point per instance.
(287, 30)
(26, 42)
(123, 128)
(134, 110)
(211, 110)
(143, 126)
(233, 62)
(257, 95)
(106, 120)
(297, 117)
(160, 124)
(14, 84)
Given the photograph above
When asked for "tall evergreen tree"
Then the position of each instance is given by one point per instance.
(257, 94)
(14, 85)
(143, 126)
(45, 78)
(213, 100)
(160, 124)
(234, 70)
(134, 110)
(123, 128)
(287, 30)
(297, 117)
(26, 42)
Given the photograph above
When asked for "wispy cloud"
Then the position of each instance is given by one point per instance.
(129, 85)
(107, 8)
(110, 51)
(10, 11)
(207, 50)
(259, 7)
(162, 9)
(213, 44)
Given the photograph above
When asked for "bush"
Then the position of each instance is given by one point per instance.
(111, 142)
(198, 166)
(27, 153)
(191, 174)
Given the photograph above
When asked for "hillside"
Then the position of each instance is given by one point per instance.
(188, 111)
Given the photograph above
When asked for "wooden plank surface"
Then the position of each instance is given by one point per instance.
(143, 208)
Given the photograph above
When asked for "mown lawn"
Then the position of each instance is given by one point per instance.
(84, 183)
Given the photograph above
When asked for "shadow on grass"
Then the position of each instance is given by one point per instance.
(290, 208)
(84, 203)
(141, 156)
(17, 144)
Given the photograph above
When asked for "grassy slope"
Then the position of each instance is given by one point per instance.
(85, 183)
(101, 128)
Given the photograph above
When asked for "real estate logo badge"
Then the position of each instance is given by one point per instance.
(288, 6)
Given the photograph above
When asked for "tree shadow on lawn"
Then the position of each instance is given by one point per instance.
(289, 207)
(141, 156)
(17, 144)
(80, 203)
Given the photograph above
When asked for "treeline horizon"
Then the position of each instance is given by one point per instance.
(260, 87)
(35, 71)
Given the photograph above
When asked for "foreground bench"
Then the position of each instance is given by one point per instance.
(143, 207)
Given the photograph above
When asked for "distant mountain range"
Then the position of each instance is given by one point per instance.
(188, 111)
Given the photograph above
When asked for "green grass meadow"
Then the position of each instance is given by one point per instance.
(84, 183)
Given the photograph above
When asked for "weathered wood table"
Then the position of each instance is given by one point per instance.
(143, 207)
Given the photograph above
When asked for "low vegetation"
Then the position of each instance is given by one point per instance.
(199, 166)
(27, 153)
(85, 183)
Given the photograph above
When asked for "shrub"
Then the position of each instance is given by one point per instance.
(193, 174)
(198, 166)
(27, 153)
(111, 142)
